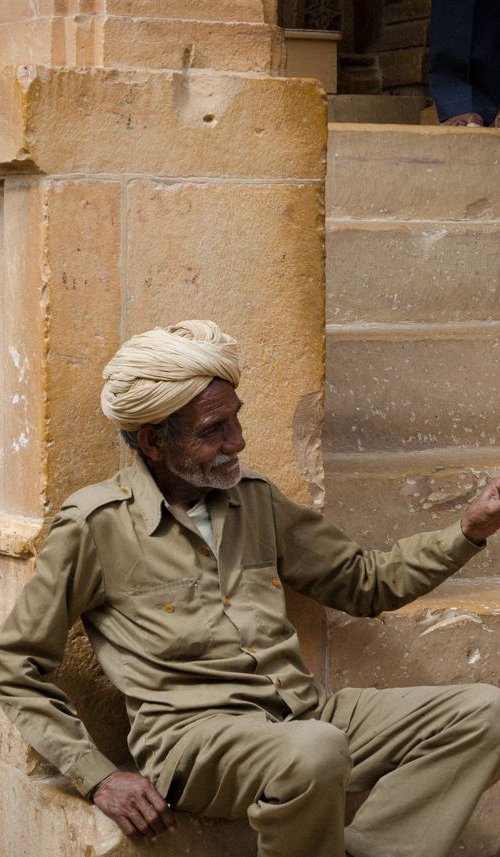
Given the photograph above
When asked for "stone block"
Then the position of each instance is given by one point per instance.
(386, 405)
(399, 172)
(119, 41)
(406, 10)
(83, 243)
(407, 34)
(380, 497)
(171, 124)
(246, 256)
(449, 636)
(21, 343)
(199, 10)
(63, 280)
(443, 272)
(184, 44)
(404, 67)
(379, 109)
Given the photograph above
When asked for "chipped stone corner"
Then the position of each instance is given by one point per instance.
(307, 423)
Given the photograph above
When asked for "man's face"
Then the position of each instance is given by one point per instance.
(208, 439)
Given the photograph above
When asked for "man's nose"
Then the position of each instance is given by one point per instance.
(233, 440)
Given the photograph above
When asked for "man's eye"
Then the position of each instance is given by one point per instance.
(211, 430)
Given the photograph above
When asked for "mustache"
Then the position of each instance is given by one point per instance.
(223, 459)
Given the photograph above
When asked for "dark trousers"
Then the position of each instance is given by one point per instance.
(464, 67)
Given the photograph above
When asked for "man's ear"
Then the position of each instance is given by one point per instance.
(147, 438)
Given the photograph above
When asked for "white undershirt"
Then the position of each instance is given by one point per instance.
(201, 518)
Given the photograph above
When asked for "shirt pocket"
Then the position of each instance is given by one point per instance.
(170, 620)
(263, 591)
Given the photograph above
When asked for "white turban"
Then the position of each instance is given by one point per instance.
(157, 372)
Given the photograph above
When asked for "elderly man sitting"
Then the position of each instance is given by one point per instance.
(176, 566)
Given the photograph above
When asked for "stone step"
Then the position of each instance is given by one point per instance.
(460, 257)
(395, 392)
(379, 497)
(378, 109)
(402, 172)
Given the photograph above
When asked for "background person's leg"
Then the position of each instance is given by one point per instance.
(485, 60)
(450, 48)
(427, 754)
(289, 778)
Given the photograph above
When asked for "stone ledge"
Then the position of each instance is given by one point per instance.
(20, 536)
(47, 817)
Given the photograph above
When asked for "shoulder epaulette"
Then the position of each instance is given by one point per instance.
(88, 499)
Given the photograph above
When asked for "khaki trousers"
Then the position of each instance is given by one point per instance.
(426, 753)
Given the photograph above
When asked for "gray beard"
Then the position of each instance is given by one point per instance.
(209, 476)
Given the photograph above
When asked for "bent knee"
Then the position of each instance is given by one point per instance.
(486, 701)
(320, 752)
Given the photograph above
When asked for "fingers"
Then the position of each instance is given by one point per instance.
(134, 804)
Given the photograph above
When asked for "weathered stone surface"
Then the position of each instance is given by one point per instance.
(113, 41)
(444, 272)
(198, 10)
(83, 242)
(400, 173)
(449, 636)
(163, 123)
(387, 405)
(22, 304)
(64, 244)
(381, 497)
(379, 109)
(192, 270)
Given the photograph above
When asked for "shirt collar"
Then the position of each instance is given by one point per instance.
(150, 499)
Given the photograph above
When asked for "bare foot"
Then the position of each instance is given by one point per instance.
(466, 120)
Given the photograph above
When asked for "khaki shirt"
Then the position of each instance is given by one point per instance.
(184, 634)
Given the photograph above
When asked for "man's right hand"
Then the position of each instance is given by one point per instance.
(134, 804)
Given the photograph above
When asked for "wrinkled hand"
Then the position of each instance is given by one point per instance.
(134, 804)
(482, 518)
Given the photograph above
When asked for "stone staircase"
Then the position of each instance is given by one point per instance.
(412, 394)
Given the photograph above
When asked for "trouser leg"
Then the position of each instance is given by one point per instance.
(450, 48)
(289, 779)
(427, 754)
(485, 59)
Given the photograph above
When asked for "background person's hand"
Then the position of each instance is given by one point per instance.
(482, 518)
(134, 804)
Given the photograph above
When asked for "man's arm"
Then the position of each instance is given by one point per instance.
(67, 582)
(319, 560)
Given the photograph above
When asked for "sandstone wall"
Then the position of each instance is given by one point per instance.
(155, 166)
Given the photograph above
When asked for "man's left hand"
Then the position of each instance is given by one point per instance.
(482, 518)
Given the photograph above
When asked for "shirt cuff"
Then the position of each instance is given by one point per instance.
(89, 770)
(457, 547)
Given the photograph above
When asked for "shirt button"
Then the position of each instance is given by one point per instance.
(276, 582)
(205, 550)
(228, 601)
(169, 608)
(79, 782)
